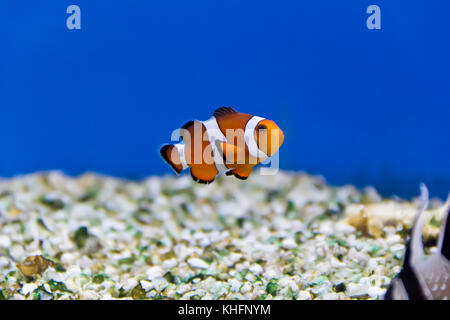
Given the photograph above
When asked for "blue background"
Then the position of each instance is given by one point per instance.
(366, 107)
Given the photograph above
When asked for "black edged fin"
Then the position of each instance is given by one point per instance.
(165, 150)
(445, 237)
(186, 126)
(200, 180)
(222, 111)
(240, 177)
(233, 173)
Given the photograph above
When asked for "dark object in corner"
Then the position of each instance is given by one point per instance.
(424, 278)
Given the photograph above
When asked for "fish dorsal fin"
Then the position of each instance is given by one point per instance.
(222, 111)
(444, 234)
(416, 243)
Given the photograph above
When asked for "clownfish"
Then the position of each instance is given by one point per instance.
(424, 277)
(229, 142)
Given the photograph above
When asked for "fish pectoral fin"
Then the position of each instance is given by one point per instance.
(242, 172)
(231, 154)
(203, 173)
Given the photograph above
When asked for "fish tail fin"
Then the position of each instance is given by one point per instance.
(174, 155)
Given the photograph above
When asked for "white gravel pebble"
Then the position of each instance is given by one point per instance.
(5, 242)
(289, 243)
(154, 272)
(28, 288)
(198, 263)
(304, 295)
(357, 289)
(256, 268)
(375, 292)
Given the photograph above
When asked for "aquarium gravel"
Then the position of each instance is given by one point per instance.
(286, 236)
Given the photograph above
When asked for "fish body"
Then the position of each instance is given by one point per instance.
(424, 278)
(229, 142)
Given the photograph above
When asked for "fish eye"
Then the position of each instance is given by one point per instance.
(261, 127)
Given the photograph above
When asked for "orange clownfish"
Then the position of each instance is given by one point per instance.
(229, 142)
